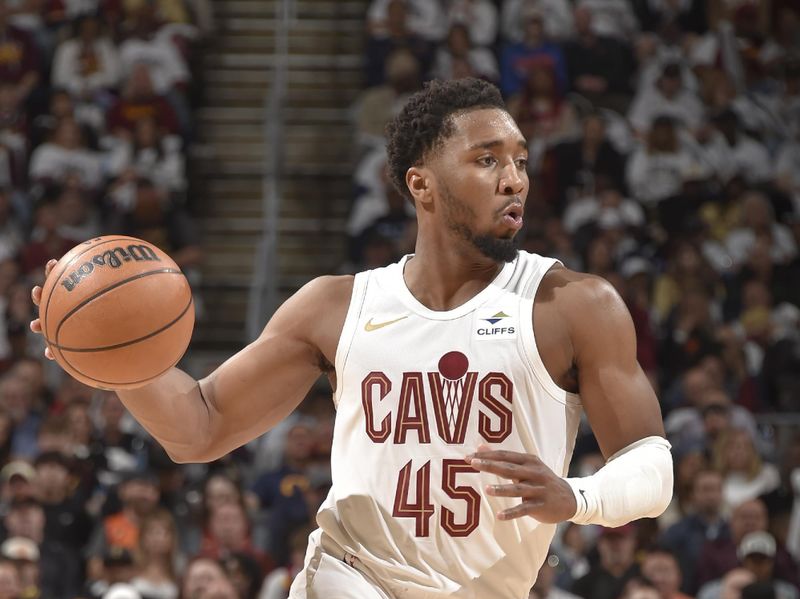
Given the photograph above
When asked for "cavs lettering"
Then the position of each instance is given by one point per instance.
(443, 403)
(449, 395)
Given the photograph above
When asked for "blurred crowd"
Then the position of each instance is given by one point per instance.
(664, 141)
(663, 137)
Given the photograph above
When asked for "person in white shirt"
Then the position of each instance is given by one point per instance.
(66, 156)
(667, 97)
(658, 169)
(458, 56)
(479, 16)
(612, 18)
(87, 63)
(758, 220)
(425, 18)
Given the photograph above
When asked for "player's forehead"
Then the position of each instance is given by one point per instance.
(476, 128)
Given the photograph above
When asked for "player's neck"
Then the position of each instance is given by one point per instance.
(445, 278)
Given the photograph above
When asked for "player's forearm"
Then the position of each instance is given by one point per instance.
(173, 410)
(635, 483)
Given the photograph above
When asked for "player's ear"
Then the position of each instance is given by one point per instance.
(419, 184)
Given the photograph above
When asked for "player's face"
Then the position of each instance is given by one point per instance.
(482, 181)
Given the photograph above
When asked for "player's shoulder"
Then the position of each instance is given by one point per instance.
(328, 290)
(574, 291)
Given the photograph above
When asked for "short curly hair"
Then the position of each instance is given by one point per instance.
(425, 121)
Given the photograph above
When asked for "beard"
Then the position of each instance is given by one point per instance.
(498, 249)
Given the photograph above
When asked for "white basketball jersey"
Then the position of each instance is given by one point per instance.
(417, 391)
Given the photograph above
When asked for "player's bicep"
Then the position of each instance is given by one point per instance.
(616, 394)
(260, 385)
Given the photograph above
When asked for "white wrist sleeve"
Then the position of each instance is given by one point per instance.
(636, 482)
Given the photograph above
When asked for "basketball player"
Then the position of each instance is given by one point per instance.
(460, 376)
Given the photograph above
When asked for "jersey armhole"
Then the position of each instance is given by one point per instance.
(529, 348)
(360, 282)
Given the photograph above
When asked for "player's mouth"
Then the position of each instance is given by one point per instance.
(512, 216)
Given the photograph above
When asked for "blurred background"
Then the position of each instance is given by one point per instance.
(245, 138)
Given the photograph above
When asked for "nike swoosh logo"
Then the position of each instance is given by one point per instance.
(370, 326)
(583, 496)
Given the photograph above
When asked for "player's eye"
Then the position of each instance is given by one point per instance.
(487, 161)
(522, 162)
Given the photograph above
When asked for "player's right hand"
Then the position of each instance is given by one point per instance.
(36, 296)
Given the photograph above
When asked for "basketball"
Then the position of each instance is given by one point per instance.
(116, 312)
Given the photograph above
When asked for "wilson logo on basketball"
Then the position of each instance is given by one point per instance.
(114, 258)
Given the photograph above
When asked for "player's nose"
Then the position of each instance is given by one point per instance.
(512, 181)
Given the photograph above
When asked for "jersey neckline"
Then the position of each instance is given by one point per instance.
(494, 288)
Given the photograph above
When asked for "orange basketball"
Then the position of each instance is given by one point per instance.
(116, 312)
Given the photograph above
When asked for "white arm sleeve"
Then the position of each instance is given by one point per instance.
(636, 482)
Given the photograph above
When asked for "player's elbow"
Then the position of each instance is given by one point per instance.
(191, 453)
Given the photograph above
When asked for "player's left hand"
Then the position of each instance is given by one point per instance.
(545, 495)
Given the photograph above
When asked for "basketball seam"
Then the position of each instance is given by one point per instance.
(66, 266)
(103, 291)
(87, 350)
(191, 301)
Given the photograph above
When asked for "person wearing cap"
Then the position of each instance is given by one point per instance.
(16, 481)
(722, 554)
(607, 578)
(58, 569)
(25, 555)
(756, 553)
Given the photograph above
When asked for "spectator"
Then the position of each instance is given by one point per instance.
(281, 491)
(156, 557)
(744, 155)
(599, 67)
(758, 221)
(201, 575)
(745, 475)
(397, 37)
(245, 575)
(607, 578)
(583, 166)
(277, 583)
(10, 583)
(87, 64)
(557, 18)
(544, 116)
(138, 493)
(425, 19)
(458, 58)
(45, 240)
(24, 554)
(139, 100)
(668, 97)
(660, 566)
(757, 554)
(17, 399)
(66, 520)
(65, 159)
(20, 59)
(377, 106)
(229, 533)
(719, 556)
(58, 571)
(117, 568)
(479, 16)
(658, 170)
(533, 49)
(703, 523)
